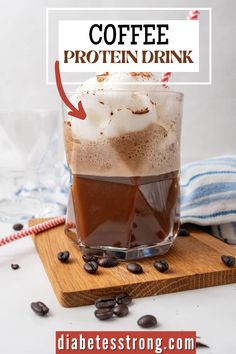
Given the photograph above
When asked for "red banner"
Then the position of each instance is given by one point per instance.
(137, 342)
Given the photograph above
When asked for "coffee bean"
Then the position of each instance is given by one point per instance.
(91, 267)
(108, 262)
(63, 256)
(123, 299)
(40, 308)
(147, 321)
(135, 268)
(183, 232)
(15, 266)
(162, 265)
(201, 345)
(89, 257)
(228, 260)
(103, 313)
(105, 302)
(17, 227)
(121, 310)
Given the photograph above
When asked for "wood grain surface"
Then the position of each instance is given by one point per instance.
(195, 262)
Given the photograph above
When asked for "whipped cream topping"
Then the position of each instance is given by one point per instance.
(114, 108)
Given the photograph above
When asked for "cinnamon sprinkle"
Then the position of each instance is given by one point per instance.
(141, 111)
(102, 77)
(141, 74)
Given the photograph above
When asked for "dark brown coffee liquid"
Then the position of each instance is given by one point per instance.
(125, 212)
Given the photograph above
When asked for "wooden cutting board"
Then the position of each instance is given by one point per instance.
(195, 262)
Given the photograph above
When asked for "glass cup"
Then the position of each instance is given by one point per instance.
(124, 160)
(31, 165)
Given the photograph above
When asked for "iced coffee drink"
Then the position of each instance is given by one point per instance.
(124, 159)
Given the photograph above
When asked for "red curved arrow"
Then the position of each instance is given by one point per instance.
(75, 112)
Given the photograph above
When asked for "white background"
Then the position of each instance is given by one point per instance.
(209, 122)
(209, 128)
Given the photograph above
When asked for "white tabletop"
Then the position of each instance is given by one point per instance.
(211, 312)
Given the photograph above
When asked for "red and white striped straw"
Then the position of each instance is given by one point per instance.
(33, 230)
(192, 15)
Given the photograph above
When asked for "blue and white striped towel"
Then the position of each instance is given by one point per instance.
(208, 195)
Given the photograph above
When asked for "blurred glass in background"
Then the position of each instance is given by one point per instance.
(34, 178)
